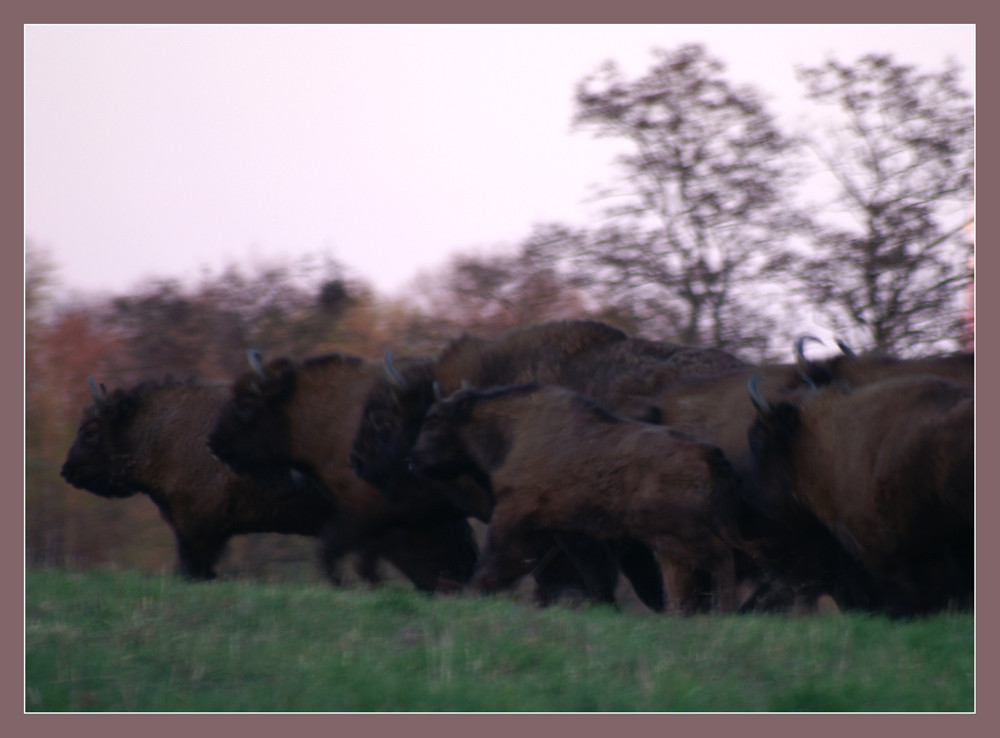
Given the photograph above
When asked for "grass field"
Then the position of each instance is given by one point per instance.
(126, 642)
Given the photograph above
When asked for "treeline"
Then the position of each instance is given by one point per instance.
(722, 230)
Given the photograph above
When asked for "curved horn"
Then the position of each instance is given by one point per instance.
(800, 357)
(254, 357)
(438, 394)
(100, 393)
(844, 348)
(390, 371)
(755, 397)
(807, 380)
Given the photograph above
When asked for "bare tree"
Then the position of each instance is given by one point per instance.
(698, 215)
(890, 260)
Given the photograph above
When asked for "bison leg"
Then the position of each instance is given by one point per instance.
(330, 555)
(435, 555)
(507, 556)
(198, 554)
(694, 563)
(639, 565)
(556, 576)
(594, 562)
(682, 585)
(366, 566)
(725, 580)
(500, 570)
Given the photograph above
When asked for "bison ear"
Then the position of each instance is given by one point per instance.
(774, 429)
(281, 382)
(276, 381)
(122, 408)
(464, 406)
(783, 419)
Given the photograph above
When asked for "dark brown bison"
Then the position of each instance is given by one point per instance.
(555, 462)
(717, 409)
(151, 439)
(798, 559)
(781, 573)
(589, 357)
(795, 559)
(887, 469)
(301, 416)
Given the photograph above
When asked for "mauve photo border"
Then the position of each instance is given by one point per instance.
(485, 725)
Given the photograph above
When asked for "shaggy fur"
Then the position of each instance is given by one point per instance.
(302, 416)
(589, 357)
(151, 439)
(558, 463)
(886, 468)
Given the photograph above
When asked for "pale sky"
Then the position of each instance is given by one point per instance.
(161, 151)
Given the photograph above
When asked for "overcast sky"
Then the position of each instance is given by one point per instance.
(161, 151)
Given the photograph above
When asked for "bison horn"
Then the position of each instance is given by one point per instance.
(254, 357)
(800, 357)
(845, 349)
(100, 393)
(438, 393)
(390, 371)
(807, 380)
(755, 397)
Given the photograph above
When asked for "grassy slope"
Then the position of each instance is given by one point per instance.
(120, 641)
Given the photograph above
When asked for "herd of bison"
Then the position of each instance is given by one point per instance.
(711, 484)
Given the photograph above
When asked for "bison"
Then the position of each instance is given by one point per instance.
(556, 462)
(300, 416)
(855, 370)
(717, 408)
(589, 357)
(887, 469)
(773, 564)
(799, 558)
(785, 561)
(151, 439)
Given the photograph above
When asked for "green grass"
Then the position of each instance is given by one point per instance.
(121, 641)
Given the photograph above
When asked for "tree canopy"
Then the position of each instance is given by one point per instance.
(888, 255)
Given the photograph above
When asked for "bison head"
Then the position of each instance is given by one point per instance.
(438, 450)
(390, 422)
(772, 445)
(99, 460)
(439, 454)
(251, 433)
(824, 371)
